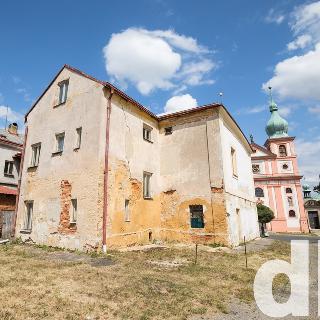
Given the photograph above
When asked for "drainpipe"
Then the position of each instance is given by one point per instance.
(106, 172)
(19, 181)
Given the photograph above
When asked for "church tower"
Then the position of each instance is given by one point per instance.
(276, 175)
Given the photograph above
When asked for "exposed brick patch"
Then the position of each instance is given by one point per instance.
(65, 226)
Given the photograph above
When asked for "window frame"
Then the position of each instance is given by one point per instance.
(194, 210)
(27, 223)
(282, 149)
(79, 138)
(256, 189)
(147, 190)
(35, 156)
(168, 131)
(8, 168)
(127, 210)
(288, 190)
(257, 165)
(147, 133)
(294, 215)
(74, 214)
(234, 166)
(63, 91)
(57, 136)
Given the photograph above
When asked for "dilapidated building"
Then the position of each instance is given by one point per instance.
(100, 170)
(11, 143)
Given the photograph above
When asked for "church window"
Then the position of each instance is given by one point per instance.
(288, 190)
(290, 201)
(292, 213)
(285, 166)
(255, 168)
(282, 151)
(259, 192)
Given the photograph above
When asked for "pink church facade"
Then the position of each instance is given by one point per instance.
(277, 179)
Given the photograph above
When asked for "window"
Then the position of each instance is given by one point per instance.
(147, 185)
(78, 141)
(292, 213)
(256, 168)
(126, 211)
(28, 217)
(234, 162)
(285, 166)
(59, 142)
(290, 201)
(147, 133)
(282, 150)
(288, 190)
(259, 192)
(8, 168)
(36, 148)
(168, 131)
(196, 216)
(63, 91)
(73, 218)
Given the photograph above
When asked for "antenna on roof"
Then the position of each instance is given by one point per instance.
(220, 94)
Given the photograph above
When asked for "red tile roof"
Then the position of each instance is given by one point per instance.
(6, 190)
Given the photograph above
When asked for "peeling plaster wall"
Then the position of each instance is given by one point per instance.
(129, 156)
(83, 169)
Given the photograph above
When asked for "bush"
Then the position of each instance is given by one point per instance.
(265, 214)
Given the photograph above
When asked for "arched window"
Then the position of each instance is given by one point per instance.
(292, 213)
(259, 193)
(282, 150)
(288, 190)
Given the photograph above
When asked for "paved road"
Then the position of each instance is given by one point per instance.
(242, 311)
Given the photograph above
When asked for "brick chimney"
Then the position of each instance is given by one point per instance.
(13, 128)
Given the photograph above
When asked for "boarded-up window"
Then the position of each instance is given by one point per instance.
(196, 216)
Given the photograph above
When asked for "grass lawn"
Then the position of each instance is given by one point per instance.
(35, 283)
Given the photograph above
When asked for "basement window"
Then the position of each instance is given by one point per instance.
(126, 211)
(28, 216)
(63, 87)
(8, 169)
(147, 185)
(196, 216)
(168, 131)
(36, 148)
(73, 218)
(147, 133)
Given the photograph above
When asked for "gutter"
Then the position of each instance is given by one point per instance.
(106, 176)
(19, 181)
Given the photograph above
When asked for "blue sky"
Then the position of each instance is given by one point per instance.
(157, 50)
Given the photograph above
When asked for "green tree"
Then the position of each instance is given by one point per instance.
(265, 215)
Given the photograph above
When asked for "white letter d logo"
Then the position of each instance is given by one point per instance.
(298, 273)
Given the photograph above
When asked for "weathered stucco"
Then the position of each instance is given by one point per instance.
(189, 167)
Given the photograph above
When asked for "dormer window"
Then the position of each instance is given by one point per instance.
(282, 151)
(63, 85)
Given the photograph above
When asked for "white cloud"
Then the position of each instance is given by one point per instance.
(274, 17)
(178, 103)
(159, 59)
(298, 77)
(12, 116)
(284, 111)
(300, 43)
(256, 109)
(306, 20)
(308, 152)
